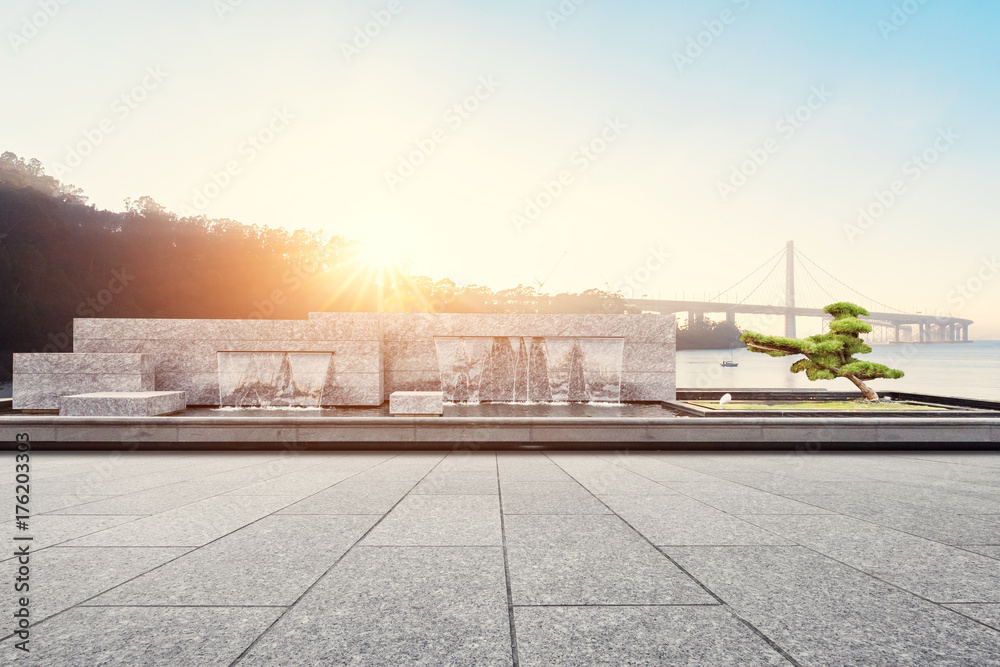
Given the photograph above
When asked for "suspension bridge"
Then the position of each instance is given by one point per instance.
(799, 293)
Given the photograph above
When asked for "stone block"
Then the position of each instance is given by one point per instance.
(412, 381)
(410, 356)
(416, 403)
(648, 358)
(123, 404)
(90, 364)
(41, 379)
(648, 387)
(349, 389)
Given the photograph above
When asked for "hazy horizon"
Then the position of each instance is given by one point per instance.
(704, 158)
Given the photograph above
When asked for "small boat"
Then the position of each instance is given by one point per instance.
(729, 363)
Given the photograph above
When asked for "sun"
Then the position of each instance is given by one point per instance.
(385, 255)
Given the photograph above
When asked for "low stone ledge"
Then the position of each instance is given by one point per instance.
(416, 403)
(123, 404)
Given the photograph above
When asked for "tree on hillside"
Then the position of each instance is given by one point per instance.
(829, 355)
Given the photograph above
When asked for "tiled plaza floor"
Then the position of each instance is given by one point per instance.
(534, 559)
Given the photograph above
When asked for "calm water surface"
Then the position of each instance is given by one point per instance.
(968, 370)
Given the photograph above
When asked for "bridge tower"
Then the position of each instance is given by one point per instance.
(790, 289)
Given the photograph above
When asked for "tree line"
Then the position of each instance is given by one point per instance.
(61, 257)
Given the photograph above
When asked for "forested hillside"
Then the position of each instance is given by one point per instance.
(61, 258)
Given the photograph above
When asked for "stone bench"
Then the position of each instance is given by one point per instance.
(123, 404)
(416, 403)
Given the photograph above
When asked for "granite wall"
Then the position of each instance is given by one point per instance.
(410, 360)
(376, 354)
(185, 355)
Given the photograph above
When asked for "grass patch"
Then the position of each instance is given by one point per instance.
(859, 406)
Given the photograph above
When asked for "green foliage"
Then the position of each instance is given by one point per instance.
(845, 308)
(830, 355)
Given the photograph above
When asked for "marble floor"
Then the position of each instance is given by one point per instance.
(510, 558)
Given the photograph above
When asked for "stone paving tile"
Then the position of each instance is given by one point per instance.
(300, 483)
(398, 606)
(438, 520)
(679, 520)
(549, 498)
(403, 468)
(660, 470)
(64, 576)
(50, 529)
(352, 496)
(991, 551)
(737, 499)
(604, 477)
(926, 522)
(590, 559)
(468, 462)
(936, 571)
(46, 503)
(637, 636)
(151, 501)
(270, 562)
(529, 467)
(984, 613)
(192, 525)
(825, 613)
(151, 637)
(458, 483)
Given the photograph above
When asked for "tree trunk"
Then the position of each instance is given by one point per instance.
(869, 393)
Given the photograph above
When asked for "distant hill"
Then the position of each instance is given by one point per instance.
(62, 258)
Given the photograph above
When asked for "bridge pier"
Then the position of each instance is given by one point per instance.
(731, 317)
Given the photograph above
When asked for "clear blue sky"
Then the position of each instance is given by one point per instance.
(680, 131)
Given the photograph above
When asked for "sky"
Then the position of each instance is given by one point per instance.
(660, 148)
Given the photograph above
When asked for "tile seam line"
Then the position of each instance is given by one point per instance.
(222, 493)
(806, 547)
(602, 605)
(511, 619)
(828, 512)
(754, 629)
(190, 551)
(320, 578)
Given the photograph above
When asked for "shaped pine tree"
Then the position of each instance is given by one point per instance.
(829, 355)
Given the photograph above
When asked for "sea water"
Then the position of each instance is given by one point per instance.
(966, 370)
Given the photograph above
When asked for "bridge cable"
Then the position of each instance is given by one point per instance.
(719, 295)
(776, 264)
(818, 284)
(846, 285)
